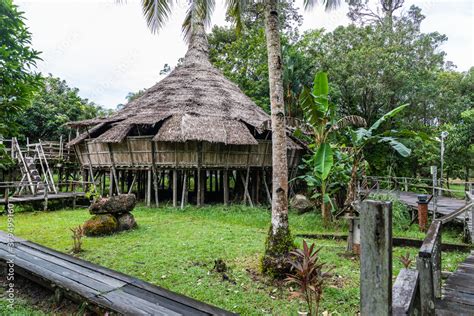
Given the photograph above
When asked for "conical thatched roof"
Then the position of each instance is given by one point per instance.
(194, 102)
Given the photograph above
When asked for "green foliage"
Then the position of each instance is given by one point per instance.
(308, 275)
(18, 82)
(54, 105)
(400, 213)
(324, 161)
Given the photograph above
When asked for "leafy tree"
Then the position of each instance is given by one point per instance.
(460, 146)
(53, 106)
(362, 137)
(18, 81)
(321, 115)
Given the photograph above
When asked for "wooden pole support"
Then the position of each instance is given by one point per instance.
(148, 189)
(175, 188)
(376, 258)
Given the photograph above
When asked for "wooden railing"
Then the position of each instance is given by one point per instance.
(406, 184)
(416, 291)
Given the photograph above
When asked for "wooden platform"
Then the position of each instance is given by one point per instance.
(99, 286)
(40, 197)
(458, 291)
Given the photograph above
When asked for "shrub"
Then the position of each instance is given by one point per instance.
(307, 274)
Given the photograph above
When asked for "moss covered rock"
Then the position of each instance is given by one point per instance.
(119, 204)
(126, 221)
(100, 225)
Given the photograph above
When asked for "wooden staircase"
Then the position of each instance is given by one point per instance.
(31, 178)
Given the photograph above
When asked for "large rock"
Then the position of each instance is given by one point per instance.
(99, 225)
(301, 203)
(126, 221)
(119, 204)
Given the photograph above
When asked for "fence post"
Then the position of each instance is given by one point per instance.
(376, 258)
(434, 173)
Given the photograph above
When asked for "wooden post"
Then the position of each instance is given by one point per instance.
(185, 189)
(246, 192)
(111, 187)
(74, 198)
(434, 173)
(376, 258)
(148, 189)
(155, 185)
(7, 198)
(405, 182)
(226, 186)
(45, 206)
(175, 188)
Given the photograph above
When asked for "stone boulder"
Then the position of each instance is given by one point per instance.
(126, 221)
(301, 203)
(99, 225)
(119, 204)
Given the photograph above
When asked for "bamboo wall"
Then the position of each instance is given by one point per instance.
(140, 151)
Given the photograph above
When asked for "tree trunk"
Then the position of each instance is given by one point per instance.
(279, 241)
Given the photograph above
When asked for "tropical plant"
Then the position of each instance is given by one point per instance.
(362, 137)
(77, 234)
(321, 116)
(308, 275)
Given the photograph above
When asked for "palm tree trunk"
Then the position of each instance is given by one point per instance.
(279, 241)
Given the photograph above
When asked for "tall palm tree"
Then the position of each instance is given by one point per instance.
(156, 12)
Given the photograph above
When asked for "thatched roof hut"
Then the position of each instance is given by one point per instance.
(195, 118)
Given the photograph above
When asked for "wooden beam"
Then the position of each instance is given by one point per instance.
(246, 192)
(185, 189)
(175, 188)
(148, 188)
(376, 258)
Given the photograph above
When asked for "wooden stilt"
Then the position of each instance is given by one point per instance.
(226, 186)
(246, 192)
(175, 188)
(199, 188)
(130, 188)
(148, 189)
(185, 189)
(111, 187)
(155, 185)
(116, 180)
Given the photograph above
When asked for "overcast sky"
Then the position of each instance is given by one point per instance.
(106, 50)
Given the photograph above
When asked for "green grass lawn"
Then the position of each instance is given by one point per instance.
(176, 249)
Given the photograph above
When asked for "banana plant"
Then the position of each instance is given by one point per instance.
(320, 114)
(362, 137)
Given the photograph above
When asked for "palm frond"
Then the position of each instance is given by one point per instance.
(235, 10)
(156, 13)
(198, 11)
(328, 4)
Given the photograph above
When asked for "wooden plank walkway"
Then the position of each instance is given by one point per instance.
(102, 287)
(40, 197)
(458, 291)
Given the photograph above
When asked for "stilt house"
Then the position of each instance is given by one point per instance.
(194, 136)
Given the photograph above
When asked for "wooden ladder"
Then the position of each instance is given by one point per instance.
(43, 161)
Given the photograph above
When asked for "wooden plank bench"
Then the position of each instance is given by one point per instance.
(99, 286)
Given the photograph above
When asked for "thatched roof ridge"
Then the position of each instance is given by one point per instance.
(197, 93)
